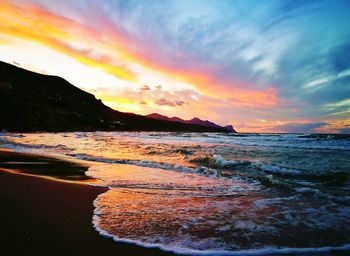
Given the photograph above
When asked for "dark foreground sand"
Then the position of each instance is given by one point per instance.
(47, 217)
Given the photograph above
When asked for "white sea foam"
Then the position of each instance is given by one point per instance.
(181, 249)
(220, 161)
(274, 169)
(306, 190)
(245, 252)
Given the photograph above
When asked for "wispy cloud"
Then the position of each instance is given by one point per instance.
(241, 60)
(165, 102)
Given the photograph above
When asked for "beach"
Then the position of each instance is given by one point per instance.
(42, 216)
(197, 194)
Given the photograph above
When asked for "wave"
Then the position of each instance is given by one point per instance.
(210, 172)
(265, 251)
(293, 141)
(209, 165)
(217, 161)
(296, 141)
(254, 171)
(213, 162)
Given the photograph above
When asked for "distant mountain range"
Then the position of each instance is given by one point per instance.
(31, 102)
(195, 120)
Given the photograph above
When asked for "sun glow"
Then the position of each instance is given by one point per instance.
(111, 54)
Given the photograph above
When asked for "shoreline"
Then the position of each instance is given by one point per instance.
(47, 216)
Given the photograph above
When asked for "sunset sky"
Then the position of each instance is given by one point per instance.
(262, 66)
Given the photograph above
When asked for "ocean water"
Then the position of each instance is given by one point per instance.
(213, 193)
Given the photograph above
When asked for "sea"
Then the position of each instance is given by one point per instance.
(213, 193)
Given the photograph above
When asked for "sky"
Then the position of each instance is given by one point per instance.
(262, 66)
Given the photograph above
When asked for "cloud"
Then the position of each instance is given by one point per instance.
(64, 35)
(244, 60)
(299, 127)
(179, 102)
(145, 88)
(165, 102)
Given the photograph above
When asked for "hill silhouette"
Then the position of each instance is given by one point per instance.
(195, 120)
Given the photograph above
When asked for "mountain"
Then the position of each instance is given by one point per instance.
(32, 102)
(202, 122)
(161, 117)
(193, 121)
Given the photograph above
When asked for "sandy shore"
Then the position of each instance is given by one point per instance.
(47, 217)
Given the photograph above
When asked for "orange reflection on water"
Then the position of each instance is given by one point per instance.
(177, 209)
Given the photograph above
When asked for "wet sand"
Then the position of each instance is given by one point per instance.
(41, 216)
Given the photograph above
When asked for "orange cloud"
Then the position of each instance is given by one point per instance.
(35, 24)
(111, 50)
(235, 93)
